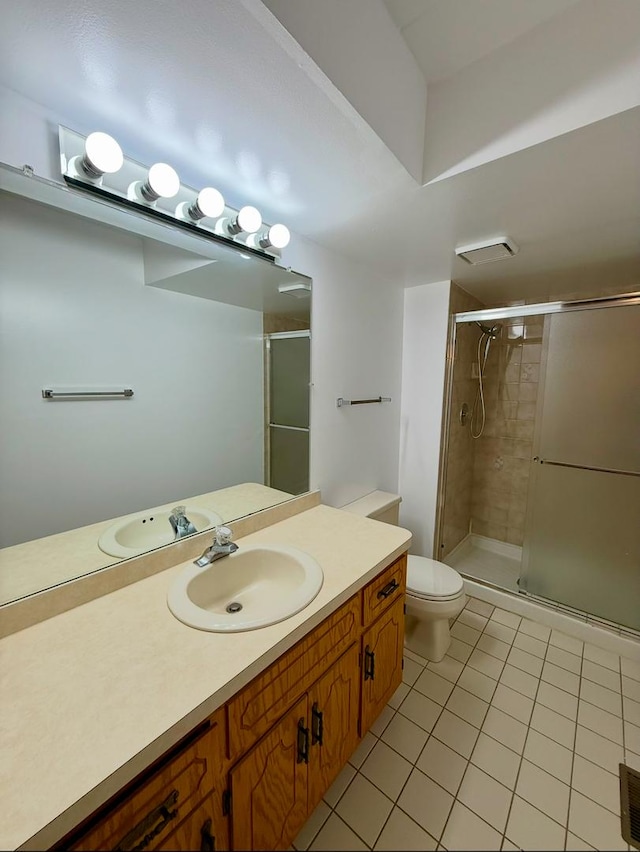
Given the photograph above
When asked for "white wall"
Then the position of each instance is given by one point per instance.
(426, 311)
(76, 312)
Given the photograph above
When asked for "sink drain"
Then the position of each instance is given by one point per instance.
(234, 607)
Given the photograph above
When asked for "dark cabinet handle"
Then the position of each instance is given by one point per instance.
(150, 826)
(369, 664)
(317, 725)
(389, 589)
(207, 840)
(303, 743)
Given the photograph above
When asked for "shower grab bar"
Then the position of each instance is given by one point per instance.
(586, 467)
(48, 393)
(340, 401)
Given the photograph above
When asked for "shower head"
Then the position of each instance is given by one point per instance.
(491, 330)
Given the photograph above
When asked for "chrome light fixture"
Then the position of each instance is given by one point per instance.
(96, 164)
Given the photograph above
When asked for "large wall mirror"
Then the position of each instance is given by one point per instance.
(213, 342)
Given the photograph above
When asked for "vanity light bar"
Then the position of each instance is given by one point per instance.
(96, 163)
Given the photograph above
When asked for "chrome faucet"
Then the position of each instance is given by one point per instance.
(180, 523)
(222, 546)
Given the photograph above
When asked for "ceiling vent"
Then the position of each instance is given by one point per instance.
(488, 251)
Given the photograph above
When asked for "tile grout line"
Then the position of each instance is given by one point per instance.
(573, 750)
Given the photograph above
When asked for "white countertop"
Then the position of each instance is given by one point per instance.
(92, 696)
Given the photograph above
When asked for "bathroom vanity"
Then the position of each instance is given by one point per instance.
(153, 735)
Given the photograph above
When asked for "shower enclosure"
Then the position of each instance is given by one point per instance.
(544, 499)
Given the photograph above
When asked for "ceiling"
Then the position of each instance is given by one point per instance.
(225, 93)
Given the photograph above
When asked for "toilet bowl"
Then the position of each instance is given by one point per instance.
(435, 592)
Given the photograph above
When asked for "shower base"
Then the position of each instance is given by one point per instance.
(487, 559)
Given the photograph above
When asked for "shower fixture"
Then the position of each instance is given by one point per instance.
(492, 330)
(489, 333)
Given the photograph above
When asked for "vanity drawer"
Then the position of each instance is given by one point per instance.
(144, 814)
(260, 704)
(384, 590)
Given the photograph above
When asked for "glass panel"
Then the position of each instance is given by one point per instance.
(290, 381)
(289, 460)
(583, 544)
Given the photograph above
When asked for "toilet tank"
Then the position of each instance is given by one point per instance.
(378, 505)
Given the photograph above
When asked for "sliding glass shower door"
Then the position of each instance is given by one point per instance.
(582, 537)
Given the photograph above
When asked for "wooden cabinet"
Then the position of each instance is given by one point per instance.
(382, 648)
(204, 828)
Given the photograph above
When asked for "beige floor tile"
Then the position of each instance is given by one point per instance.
(576, 844)
(630, 668)
(465, 830)
(631, 688)
(561, 678)
(459, 650)
(596, 783)
(476, 605)
(553, 725)
(563, 659)
(567, 643)
(399, 695)
(386, 769)
(632, 760)
(442, 765)
(456, 733)
(527, 662)
(508, 846)
(434, 687)
(464, 633)
(513, 703)
(405, 737)
(346, 776)
(631, 711)
(543, 791)
(422, 661)
(533, 628)
(549, 755)
(448, 668)
(603, 723)
(593, 823)
(520, 681)
(411, 671)
(386, 715)
(486, 663)
(496, 760)
(469, 707)
(600, 674)
(486, 797)
(401, 832)
(426, 803)
(500, 631)
(421, 710)
(632, 737)
(505, 729)
(530, 829)
(601, 697)
(335, 834)
(494, 647)
(598, 750)
(509, 619)
(312, 826)
(473, 619)
(479, 684)
(557, 699)
(360, 754)
(601, 657)
(364, 809)
(529, 644)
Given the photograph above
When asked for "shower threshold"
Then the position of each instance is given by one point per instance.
(488, 560)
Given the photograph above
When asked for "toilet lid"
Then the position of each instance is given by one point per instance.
(431, 580)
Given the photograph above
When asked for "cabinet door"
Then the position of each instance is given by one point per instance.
(382, 646)
(269, 785)
(205, 829)
(334, 704)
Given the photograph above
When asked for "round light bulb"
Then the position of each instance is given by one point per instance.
(102, 153)
(278, 236)
(163, 181)
(249, 219)
(210, 202)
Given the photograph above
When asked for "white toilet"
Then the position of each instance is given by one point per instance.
(435, 592)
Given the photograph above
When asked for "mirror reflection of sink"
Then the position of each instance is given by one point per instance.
(254, 587)
(145, 531)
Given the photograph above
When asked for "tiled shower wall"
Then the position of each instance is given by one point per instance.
(502, 455)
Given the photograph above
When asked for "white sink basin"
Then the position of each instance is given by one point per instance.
(145, 531)
(251, 588)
